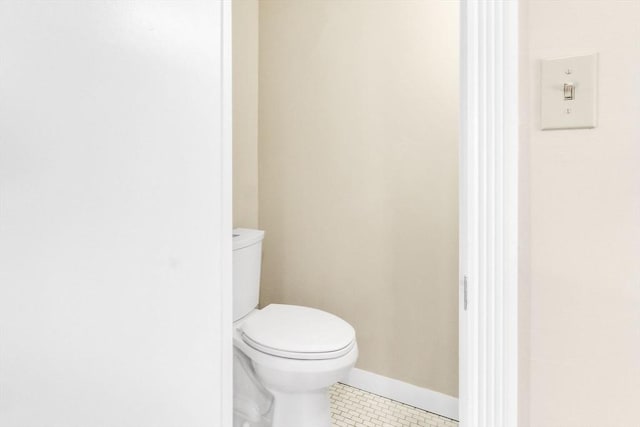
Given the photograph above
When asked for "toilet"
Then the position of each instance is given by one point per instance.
(286, 356)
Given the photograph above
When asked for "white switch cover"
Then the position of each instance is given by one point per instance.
(559, 111)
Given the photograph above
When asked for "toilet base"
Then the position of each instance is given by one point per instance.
(309, 409)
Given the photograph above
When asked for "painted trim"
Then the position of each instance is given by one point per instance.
(409, 394)
(489, 213)
(226, 333)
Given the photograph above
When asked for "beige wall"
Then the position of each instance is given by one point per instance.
(524, 221)
(245, 113)
(358, 174)
(585, 226)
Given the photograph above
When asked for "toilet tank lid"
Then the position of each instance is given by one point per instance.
(243, 237)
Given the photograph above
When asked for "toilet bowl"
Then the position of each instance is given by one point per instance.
(296, 353)
(294, 369)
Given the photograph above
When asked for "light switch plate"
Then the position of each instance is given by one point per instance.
(579, 112)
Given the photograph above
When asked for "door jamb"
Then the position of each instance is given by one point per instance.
(488, 303)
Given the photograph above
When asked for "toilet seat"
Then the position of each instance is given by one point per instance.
(296, 332)
(298, 355)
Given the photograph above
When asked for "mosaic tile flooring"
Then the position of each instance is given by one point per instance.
(352, 407)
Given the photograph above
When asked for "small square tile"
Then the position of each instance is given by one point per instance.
(352, 407)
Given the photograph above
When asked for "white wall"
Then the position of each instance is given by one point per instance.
(585, 225)
(110, 306)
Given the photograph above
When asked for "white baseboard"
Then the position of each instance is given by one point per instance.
(423, 398)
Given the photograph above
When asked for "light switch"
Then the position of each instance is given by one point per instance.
(569, 92)
(569, 88)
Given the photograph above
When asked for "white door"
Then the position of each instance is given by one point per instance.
(113, 237)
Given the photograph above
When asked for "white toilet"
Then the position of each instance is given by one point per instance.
(295, 353)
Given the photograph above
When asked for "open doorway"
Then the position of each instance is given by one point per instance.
(346, 139)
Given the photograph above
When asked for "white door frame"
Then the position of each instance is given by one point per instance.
(489, 214)
(226, 203)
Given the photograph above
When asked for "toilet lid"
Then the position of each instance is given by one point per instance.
(298, 332)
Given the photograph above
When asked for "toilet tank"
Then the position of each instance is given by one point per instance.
(247, 259)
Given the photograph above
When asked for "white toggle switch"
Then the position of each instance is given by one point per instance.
(568, 92)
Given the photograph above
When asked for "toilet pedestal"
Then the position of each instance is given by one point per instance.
(308, 409)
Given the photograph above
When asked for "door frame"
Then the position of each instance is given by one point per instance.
(488, 306)
(226, 224)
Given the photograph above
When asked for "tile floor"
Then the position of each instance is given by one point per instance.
(352, 407)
